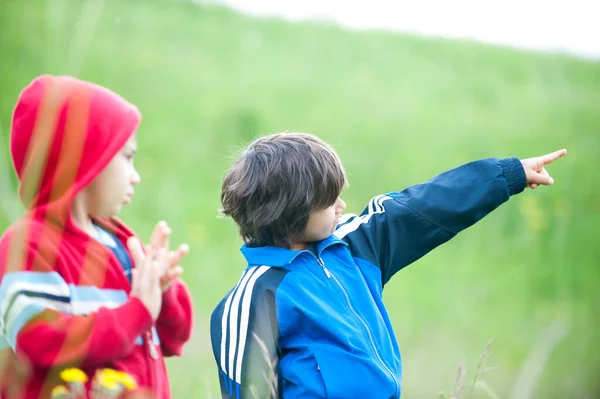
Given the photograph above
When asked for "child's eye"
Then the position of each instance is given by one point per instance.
(129, 157)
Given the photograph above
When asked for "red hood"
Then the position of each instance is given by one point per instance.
(64, 132)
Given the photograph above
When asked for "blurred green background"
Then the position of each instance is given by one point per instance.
(398, 109)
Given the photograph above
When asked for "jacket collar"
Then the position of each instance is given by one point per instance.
(276, 256)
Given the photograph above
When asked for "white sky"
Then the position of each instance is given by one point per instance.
(552, 25)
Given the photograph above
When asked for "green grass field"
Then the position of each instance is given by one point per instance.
(399, 110)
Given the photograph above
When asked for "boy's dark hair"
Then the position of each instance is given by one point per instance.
(277, 182)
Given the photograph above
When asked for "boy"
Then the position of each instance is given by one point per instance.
(77, 289)
(306, 319)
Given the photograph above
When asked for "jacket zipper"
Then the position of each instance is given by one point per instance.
(323, 267)
(153, 355)
(389, 372)
(151, 346)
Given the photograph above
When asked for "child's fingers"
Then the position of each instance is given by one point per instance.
(134, 280)
(175, 272)
(135, 248)
(169, 276)
(545, 176)
(553, 156)
(162, 262)
(178, 255)
(541, 178)
(166, 233)
(160, 235)
(146, 268)
(155, 238)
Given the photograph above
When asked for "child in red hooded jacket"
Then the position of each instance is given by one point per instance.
(77, 289)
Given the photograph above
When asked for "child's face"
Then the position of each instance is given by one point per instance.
(113, 187)
(321, 224)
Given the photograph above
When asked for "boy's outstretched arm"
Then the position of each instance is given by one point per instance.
(400, 227)
(244, 333)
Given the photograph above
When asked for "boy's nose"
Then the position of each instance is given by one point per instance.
(341, 205)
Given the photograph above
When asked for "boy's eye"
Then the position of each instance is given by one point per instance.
(129, 157)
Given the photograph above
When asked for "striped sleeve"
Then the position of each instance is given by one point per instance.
(398, 228)
(245, 333)
(53, 323)
(25, 295)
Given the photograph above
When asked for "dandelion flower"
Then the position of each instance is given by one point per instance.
(107, 378)
(59, 392)
(127, 381)
(73, 375)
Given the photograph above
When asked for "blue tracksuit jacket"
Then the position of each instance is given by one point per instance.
(300, 325)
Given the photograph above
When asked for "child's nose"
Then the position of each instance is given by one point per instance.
(135, 177)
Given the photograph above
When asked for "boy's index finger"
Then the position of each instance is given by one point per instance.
(553, 156)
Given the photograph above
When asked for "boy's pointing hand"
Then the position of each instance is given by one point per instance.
(535, 168)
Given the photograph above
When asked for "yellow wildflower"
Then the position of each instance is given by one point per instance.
(73, 375)
(106, 378)
(110, 378)
(59, 392)
(127, 381)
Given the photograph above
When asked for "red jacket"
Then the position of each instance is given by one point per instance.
(64, 298)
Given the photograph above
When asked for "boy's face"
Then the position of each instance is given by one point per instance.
(321, 224)
(113, 187)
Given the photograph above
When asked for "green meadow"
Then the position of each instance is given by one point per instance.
(398, 109)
